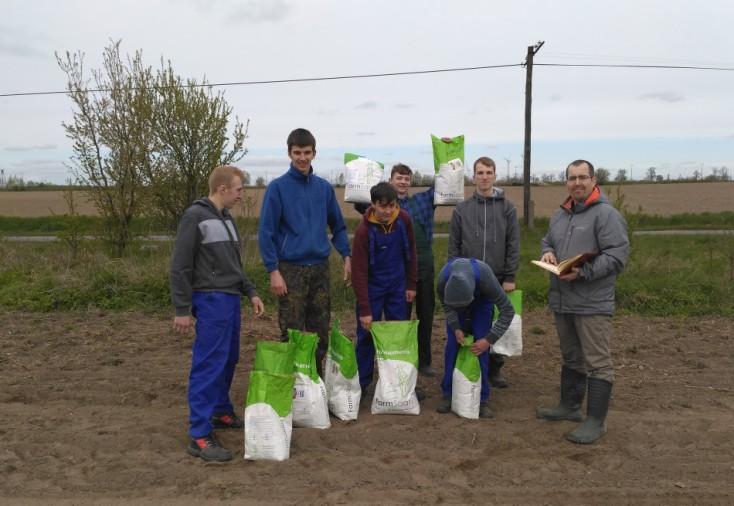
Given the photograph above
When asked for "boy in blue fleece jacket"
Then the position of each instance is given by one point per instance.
(297, 209)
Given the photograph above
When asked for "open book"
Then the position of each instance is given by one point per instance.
(566, 265)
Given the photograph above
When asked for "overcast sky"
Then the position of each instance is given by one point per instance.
(675, 120)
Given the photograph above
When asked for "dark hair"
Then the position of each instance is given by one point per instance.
(401, 168)
(576, 163)
(302, 138)
(383, 192)
(485, 160)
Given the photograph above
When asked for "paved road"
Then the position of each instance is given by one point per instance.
(163, 238)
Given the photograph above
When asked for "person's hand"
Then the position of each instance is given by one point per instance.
(409, 295)
(459, 337)
(183, 324)
(480, 346)
(365, 321)
(277, 284)
(508, 286)
(571, 275)
(549, 257)
(348, 271)
(257, 306)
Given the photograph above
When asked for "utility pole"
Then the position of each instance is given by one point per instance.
(528, 106)
(508, 159)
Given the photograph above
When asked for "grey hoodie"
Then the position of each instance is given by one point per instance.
(594, 226)
(486, 228)
(206, 256)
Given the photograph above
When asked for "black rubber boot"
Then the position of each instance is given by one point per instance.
(444, 406)
(595, 425)
(495, 371)
(573, 388)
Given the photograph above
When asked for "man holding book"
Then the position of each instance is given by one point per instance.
(582, 299)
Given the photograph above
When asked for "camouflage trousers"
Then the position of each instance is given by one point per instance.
(307, 305)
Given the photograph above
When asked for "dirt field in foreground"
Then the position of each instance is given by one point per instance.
(663, 199)
(93, 411)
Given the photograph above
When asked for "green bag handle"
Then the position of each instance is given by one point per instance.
(275, 390)
(275, 357)
(515, 297)
(443, 152)
(341, 351)
(467, 362)
(348, 157)
(304, 357)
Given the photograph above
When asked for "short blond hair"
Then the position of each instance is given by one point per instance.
(223, 175)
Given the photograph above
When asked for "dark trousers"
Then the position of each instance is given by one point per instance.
(425, 303)
(215, 353)
(307, 305)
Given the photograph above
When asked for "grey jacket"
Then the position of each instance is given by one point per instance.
(206, 256)
(486, 228)
(594, 226)
(488, 287)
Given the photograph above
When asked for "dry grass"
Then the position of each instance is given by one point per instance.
(661, 199)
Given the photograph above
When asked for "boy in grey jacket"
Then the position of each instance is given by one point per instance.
(583, 299)
(207, 282)
(485, 227)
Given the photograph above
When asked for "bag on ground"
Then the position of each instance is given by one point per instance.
(510, 343)
(310, 407)
(361, 174)
(466, 383)
(448, 165)
(268, 418)
(396, 348)
(275, 357)
(341, 376)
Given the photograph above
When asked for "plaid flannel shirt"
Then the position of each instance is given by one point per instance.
(423, 205)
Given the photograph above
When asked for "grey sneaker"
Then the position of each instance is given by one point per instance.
(484, 411)
(428, 371)
(228, 421)
(445, 406)
(209, 449)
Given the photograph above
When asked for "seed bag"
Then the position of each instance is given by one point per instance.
(310, 407)
(448, 164)
(341, 377)
(361, 175)
(510, 343)
(466, 383)
(268, 416)
(396, 348)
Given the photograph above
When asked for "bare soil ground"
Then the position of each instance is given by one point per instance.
(93, 411)
(660, 198)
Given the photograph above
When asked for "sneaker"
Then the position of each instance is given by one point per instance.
(444, 407)
(496, 379)
(428, 371)
(420, 394)
(228, 421)
(208, 449)
(484, 411)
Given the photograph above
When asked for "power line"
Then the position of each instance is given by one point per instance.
(283, 81)
(630, 66)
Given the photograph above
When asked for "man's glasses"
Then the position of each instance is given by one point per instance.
(582, 178)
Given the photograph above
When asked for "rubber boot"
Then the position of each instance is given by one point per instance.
(495, 371)
(595, 425)
(573, 388)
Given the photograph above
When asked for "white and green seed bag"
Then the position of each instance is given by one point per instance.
(510, 343)
(396, 348)
(341, 376)
(466, 382)
(361, 174)
(268, 416)
(310, 406)
(448, 164)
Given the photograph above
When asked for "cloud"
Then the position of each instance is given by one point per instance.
(21, 50)
(271, 11)
(404, 106)
(42, 147)
(555, 97)
(366, 134)
(369, 104)
(663, 96)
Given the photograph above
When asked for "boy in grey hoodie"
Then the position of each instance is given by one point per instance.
(485, 227)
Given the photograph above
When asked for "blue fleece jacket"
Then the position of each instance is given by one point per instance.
(296, 211)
